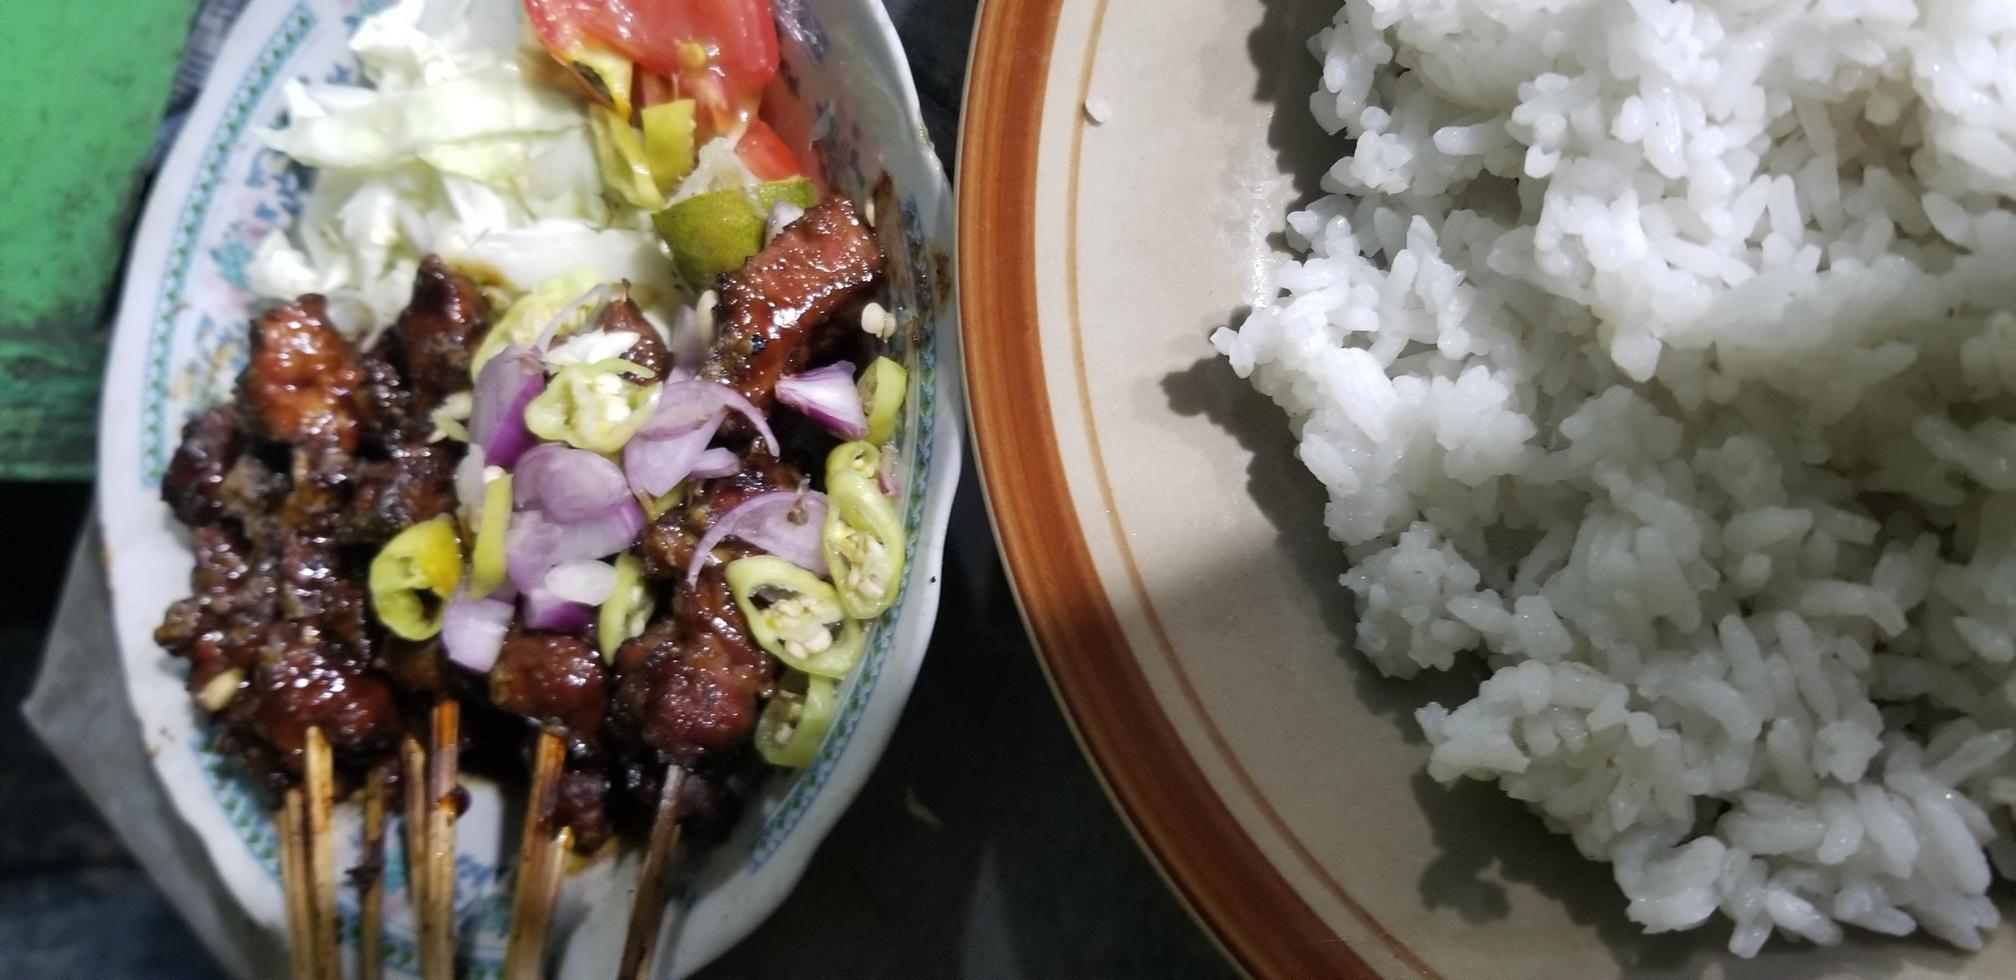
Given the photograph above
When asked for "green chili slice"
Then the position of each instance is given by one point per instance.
(860, 458)
(426, 557)
(883, 386)
(668, 142)
(627, 609)
(863, 544)
(486, 557)
(795, 615)
(657, 506)
(592, 406)
(863, 540)
(620, 156)
(796, 720)
(522, 323)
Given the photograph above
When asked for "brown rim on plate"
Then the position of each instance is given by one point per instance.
(1220, 872)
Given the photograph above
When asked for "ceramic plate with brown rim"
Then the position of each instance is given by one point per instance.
(1168, 549)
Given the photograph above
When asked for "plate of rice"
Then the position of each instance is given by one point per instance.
(1510, 490)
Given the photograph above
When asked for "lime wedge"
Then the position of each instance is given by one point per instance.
(716, 232)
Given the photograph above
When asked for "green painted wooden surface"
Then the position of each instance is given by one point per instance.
(86, 83)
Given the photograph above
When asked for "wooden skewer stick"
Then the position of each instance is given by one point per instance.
(552, 868)
(437, 919)
(413, 785)
(371, 901)
(288, 823)
(533, 896)
(321, 798)
(641, 937)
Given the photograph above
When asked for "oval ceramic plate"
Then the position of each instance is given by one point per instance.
(1169, 550)
(181, 340)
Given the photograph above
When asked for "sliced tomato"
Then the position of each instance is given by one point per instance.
(765, 153)
(720, 52)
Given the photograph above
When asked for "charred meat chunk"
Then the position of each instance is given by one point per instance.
(318, 489)
(708, 801)
(697, 681)
(760, 474)
(707, 607)
(435, 337)
(414, 482)
(253, 495)
(769, 307)
(194, 626)
(695, 699)
(581, 802)
(554, 679)
(244, 608)
(299, 685)
(388, 405)
(414, 665)
(316, 586)
(620, 315)
(221, 568)
(194, 484)
(301, 383)
(206, 628)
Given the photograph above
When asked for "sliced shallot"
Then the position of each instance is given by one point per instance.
(548, 612)
(655, 460)
(784, 523)
(566, 598)
(683, 403)
(470, 481)
(716, 462)
(568, 484)
(582, 580)
(828, 396)
(536, 542)
(472, 631)
(507, 383)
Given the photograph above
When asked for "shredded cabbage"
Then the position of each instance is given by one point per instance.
(454, 148)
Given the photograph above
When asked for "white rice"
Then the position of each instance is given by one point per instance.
(1661, 355)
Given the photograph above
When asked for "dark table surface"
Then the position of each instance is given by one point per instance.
(982, 846)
